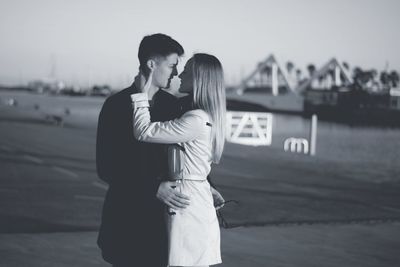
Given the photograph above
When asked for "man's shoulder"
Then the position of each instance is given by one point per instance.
(122, 94)
(119, 97)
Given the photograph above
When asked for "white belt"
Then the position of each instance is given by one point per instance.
(190, 177)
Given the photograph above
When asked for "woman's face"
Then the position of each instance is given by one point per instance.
(186, 77)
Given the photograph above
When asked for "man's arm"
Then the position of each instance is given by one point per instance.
(103, 144)
(171, 197)
(111, 163)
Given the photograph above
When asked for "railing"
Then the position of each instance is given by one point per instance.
(249, 128)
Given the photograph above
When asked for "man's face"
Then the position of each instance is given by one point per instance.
(165, 70)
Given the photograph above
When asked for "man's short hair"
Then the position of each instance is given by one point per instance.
(157, 45)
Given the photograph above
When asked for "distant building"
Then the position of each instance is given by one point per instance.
(100, 90)
(73, 90)
(395, 98)
(331, 75)
(326, 86)
(46, 85)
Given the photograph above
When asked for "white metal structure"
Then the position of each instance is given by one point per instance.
(299, 145)
(262, 88)
(267, 73)
(322, 80)
(249, 128)
(313, 135)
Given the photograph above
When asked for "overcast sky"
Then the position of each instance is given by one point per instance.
(95, 41)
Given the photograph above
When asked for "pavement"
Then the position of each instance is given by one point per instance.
(352, 245)
(293, 210)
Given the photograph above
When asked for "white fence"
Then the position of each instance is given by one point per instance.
(249, 128)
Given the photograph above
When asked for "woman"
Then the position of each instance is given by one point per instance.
(194, 235)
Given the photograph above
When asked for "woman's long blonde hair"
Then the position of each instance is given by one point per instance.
(209, 95)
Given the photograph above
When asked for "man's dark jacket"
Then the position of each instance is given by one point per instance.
(132, 229)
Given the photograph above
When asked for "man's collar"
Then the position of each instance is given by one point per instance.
(134, 89)
(164, 94)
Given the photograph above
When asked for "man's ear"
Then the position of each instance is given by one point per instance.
(151, 63)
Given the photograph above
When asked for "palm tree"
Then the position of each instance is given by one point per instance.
(289, 67)
(298, 74)
(394, 78)
(373, 74)
(384, 78)
(346, 65)
(311, 69)
(362, 77)
(356, 71)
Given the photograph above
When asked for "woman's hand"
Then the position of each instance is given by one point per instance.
(142, 84)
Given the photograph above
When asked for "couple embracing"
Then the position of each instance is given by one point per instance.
(155, 151)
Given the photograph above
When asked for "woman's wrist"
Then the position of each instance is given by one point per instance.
(139, 100)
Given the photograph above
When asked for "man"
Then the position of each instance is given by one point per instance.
(132, 231)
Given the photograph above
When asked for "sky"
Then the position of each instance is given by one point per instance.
(87, 42)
